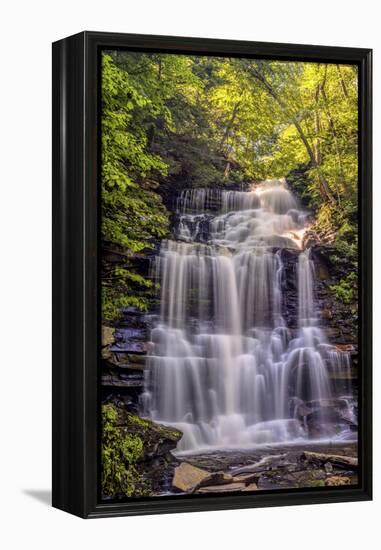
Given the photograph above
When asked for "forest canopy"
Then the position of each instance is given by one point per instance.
(173, 121)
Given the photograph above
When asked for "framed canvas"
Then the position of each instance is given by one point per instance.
(211, 274)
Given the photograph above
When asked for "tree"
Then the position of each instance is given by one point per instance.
(131, 214)
(176, 121)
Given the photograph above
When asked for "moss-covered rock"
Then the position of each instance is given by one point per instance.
(136, 458)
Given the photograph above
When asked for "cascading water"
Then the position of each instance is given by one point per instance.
(225, 368)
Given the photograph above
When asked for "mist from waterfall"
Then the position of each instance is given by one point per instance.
(225, 368)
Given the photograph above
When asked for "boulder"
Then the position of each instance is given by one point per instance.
(249, 479)
(338, 461)
(189, 478)
(334, 481)
(137, 458)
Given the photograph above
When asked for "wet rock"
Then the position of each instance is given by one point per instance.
(334, 316)
(338, 480)
(284, 478)
(221, 461)
(107, 379)
(124, 362)
(326, 313)
(277, 467)
(228, 488)
(127, 342)
(158, 439)
(121, 401)
(303, 410)
(349, 419)
(346, 462)
(132, 367)
(350, 374)
(327, 416)
(118, 381)
(130, 347)
(189, 478)
(249, 478)
(265, 464)
(136, 359)
(332, 332)
(321, 416)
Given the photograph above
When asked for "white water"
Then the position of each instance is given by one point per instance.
(225, 369)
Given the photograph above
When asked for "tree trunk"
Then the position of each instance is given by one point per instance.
(342, 83)
(230, 123)
(227, 169)
(335, 137)
(325, 191)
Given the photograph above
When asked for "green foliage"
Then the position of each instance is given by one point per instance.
(131, 214)
(188, 121)
(346, 289)
(346, 245)
(341, 223)
(120, 453)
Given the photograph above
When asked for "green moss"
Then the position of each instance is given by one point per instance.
(139, 421)
(121, 451)
(346, 289)
(134, 453)
(342, 224)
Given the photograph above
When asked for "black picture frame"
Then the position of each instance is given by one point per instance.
(76, 321)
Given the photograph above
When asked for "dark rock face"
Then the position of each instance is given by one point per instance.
(339, 322)
(335, 415)
(147, 464)
(335, 317)
(130, 340)
(338, 318)
(197, 226)
(289, 284)
(123, 360)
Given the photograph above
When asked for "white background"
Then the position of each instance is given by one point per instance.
(27, 29)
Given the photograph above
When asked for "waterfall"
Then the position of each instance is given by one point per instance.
(225, 368)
